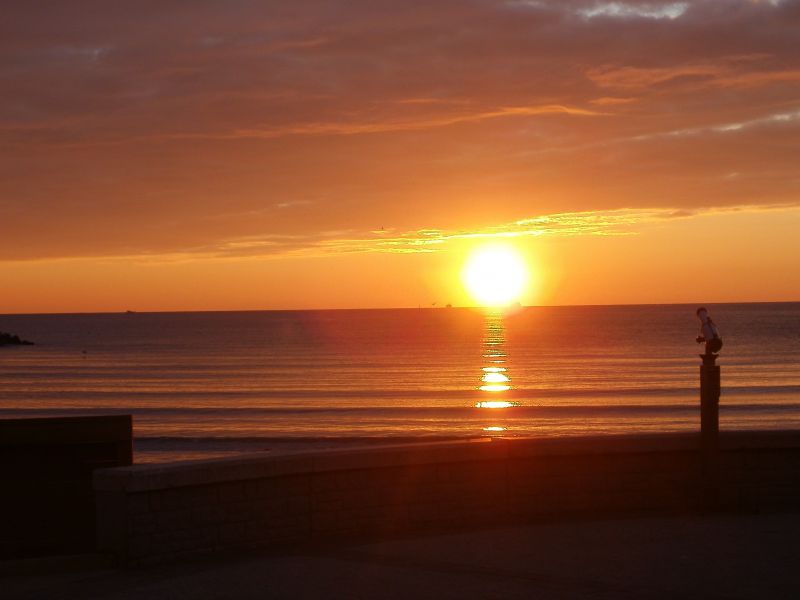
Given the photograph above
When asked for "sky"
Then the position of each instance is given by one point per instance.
(237, 155)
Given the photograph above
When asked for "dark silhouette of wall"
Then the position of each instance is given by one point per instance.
(151, 513)
(46, 501)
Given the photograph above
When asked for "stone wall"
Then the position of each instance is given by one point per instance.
(47, 499)
(151, 513)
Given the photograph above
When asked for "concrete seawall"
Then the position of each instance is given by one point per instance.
(152, 513)
(47, 500)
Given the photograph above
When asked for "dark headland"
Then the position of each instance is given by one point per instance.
(7, 339)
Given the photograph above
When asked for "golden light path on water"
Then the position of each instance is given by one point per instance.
(495, 378)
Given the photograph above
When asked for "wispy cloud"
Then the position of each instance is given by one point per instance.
(788, 117)
(627, 10)
(746, 71)
(341, 127)
(156, 127)
(390, 124)
(612, 101)
(601, 223)
(622, 222)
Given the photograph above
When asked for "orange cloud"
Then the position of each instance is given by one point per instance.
(621, 222)
(733, 72)
(430, 122)
(163, 128)
(612, 101)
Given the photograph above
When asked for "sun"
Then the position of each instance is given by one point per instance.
(495, 275)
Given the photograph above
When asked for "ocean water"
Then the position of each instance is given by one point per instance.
(231, 381)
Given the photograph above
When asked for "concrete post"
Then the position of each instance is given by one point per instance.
(709, 431)
(709, 401)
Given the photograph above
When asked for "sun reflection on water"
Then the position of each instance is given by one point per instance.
(494, 377)
(494, 404)
(494, 388)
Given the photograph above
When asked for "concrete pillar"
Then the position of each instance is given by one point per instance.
(709, 431)
(709, 401)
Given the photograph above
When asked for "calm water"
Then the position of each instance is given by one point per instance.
(239, 378)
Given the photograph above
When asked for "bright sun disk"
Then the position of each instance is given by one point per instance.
(495, 275)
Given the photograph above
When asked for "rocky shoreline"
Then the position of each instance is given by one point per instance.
(6, 339)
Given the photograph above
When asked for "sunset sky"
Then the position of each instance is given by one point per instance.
(164, 155)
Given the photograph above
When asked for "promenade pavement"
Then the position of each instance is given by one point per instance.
(709, 557)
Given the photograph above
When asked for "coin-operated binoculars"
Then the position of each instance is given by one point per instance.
(709, 380)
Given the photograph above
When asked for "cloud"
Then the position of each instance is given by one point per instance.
(789, 117)
(622, 222)
(623, 10)
(717, 74)
(428, 122)
(611, 101)
(163, 127)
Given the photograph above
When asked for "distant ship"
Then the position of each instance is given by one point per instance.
(130, 312)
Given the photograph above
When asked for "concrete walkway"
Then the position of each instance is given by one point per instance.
(750, 556)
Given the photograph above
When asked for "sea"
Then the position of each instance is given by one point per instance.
(202, 384)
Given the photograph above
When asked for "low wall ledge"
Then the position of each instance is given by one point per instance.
(146, 477)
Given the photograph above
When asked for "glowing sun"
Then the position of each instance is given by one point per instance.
(495, 275)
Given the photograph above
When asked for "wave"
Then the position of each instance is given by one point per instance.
(446, 412)
(343, 439)
(429, 394)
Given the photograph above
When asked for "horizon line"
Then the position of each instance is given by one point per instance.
(419, 307)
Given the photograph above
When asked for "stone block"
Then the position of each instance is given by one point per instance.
(326, 501)
(238, 512)
(175, 499)
(140, 545)
(252, 488)
(156, 500)
(232, 534)
(324, 482)
(282, 535)
(205, 514)
(173, 520)
(139, 521)
(269, 496)
(231, 492)
(138, 503)
(111, 522)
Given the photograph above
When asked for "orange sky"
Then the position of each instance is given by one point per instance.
(244, 155)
